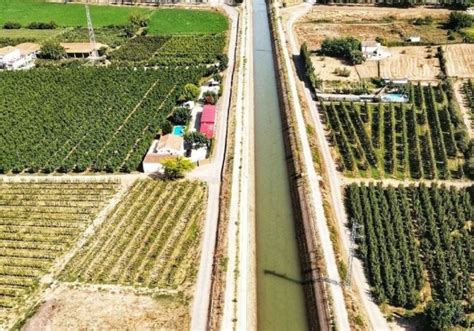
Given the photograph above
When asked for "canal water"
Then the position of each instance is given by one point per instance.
(280, 300)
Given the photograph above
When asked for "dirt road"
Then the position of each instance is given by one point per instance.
(335, 290)
(211, 173)
(373, 312)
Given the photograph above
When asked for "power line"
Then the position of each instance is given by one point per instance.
(94, 54)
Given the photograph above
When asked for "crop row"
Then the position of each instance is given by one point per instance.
(32, 236)
(172, 50)
(407, 230)
(101, 119)
(422, 139)
(146, 240)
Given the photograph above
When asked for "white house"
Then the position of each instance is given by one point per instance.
(168, 147)
(8, 56)
(373, 50)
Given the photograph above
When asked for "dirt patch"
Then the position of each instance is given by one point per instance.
(325, 67)
(367, 23)
(81, 309)
(414, 63)
(460, 60)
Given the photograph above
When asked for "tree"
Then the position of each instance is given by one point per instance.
(347, 48)
(458, 20)
(138, 20)
(190, 92)
(196, 139)
(181, 116)
(442, 316)
(52, 50)
(223, 61)
(210, 98)
(176, 168)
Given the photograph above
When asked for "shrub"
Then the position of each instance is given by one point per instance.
(11, 25)
(343, 72)
(176, 168)
(347, 48)
(210, 98)
(181, 116)
(459, 20)
(190, 92)
(196, 139)
(42, 26)
(52, 50)
(442, 316)
(427, 20)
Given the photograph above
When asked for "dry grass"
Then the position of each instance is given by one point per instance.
(325, 67)
(86, 309)
(460, 60)
(367, 23)
(414, 63)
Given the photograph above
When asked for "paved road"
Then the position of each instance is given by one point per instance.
(211, 173)
(375, 316)
(335, 291)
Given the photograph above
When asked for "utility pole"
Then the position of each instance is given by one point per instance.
(354, 237)
(94, 54)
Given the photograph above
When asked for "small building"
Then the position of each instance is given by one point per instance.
(9, 56)
(373, 50)
(80, 50)
(168, 147)
(208, 121)
(414, 39)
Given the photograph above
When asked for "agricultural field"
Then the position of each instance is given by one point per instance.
(181, 21)
(72, 15)
(79, 119)
(150, 239)
(368, 23)
(425, 138)
(39, 223)
(172, 50)
(415, 242)
(459, 60)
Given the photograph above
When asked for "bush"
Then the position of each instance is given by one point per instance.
(190, 92)
(42, 26)
(347, 48)
(442, 316)
(11, 25)
(427, 20)
(196, 139)
(223, 61)
(52, 50)
(343, 72)
(138, 20)
(181, 116)
(210, 98)
(176, 168)
(459, 20)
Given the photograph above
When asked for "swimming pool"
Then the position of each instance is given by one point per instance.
(178, 130)
(395, 97)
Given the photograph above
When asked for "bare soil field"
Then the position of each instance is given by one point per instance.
(460, 60)
(414, 63)
(367, 23)
(86, 309)
(325, 67)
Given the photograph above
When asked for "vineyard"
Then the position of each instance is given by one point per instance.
(172, 50)
(424, 138)
(97, 119)
(39, 221)
(408, 230)
(151, 239)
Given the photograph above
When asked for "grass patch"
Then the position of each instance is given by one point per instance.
(37, 35)
(183, 21)
(27, 11)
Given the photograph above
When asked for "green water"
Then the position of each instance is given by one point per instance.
(280, 300)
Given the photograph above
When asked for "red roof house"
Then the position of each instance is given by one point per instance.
(208, 121)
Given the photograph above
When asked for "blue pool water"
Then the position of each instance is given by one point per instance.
(395, 97)
(178, 130)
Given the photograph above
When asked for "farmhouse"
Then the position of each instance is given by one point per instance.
(208, 121)
(373, 50)
(80, 50)
(20, 56)
(8, 56)
(414, 39)
(168, 147)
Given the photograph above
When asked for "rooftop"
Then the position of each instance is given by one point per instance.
(7, 50)
(83, 48)
(28, 48)
(170, 141)
(370, 44)
(208, 114)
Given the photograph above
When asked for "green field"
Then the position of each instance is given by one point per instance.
(37, 35)
(163, 21)
(27, 11)
(182, 21)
